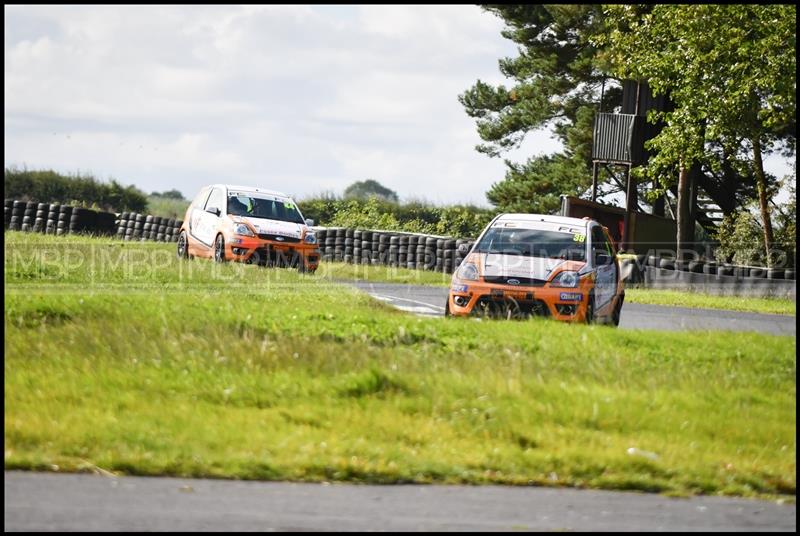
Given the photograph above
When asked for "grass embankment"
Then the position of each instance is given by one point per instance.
(123, 358)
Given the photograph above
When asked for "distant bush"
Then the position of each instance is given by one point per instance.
(374, 213)
(48, 186)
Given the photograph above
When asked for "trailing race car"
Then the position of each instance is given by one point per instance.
(247, 224)
(531, 264)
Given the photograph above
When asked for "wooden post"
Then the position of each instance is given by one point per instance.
(630, 206)
(594, 181)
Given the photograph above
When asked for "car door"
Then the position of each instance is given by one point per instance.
(207, 221)
(605, 268)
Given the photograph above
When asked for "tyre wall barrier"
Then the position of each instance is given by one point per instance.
(390, 248)
(56, 219)
(402, 249)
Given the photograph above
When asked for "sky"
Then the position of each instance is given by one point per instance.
(301, 99)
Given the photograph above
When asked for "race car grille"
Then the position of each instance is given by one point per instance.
(276, 257)
(500, 306)
(522, 281)
(279, 238)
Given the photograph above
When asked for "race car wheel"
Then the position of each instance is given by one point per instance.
(447, 308)
(590, 310)
(219, 249)
(183, 246)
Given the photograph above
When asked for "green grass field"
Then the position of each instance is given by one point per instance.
(119, 356)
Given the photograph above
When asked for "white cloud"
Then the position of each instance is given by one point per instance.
(299, 98)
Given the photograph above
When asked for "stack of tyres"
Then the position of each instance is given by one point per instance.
(402, 251)
(330, 244)
(366, 247)
(64, 217)
(419, 258)
(439, 255)
(130, 225)
(148, 223)
(411, 252)
(449, 256)
(356, 258)
(348, 245)
(154, 229)
(122, 225)
(29, 216)
(138, 227)
(162, 230)
(8, 209)
(338, 244)
(376, 246)
(52, 219)
(40, 222)
(394, 249)
(169, 229)
(383, 248)
(177, 230)
(17, 213)
(430, 253)
(458, 257)
(320, 234)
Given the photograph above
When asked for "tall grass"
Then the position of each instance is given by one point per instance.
(124, 358)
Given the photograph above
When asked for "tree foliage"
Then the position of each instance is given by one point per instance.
(370, 188)
(730, 71)
(48, 186)
(557, 80)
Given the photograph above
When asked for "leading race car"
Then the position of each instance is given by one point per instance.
(246, 224)
(532, 264)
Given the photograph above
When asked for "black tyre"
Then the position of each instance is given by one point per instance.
(590, 310)
(219, 249)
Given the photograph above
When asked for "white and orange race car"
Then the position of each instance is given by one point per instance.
(247, 224)
(532, 264)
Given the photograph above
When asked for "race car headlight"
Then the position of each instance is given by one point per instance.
(311, 239)
(565, 279)
(242, 229)
(468, 272)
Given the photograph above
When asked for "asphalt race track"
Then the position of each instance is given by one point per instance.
(429, 301)
(49, 501)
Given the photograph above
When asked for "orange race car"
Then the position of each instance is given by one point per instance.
(246, 224)
(532, 264)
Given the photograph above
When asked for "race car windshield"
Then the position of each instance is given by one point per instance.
(258, 207)
(533, 243)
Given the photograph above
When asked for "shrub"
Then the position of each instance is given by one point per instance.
(47, 186)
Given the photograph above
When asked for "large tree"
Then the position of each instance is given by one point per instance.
(731, 72)
(557, 83)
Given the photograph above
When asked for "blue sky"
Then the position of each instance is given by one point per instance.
(304, 99)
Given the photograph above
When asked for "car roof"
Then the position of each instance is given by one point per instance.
(544, 218)
(251, 189)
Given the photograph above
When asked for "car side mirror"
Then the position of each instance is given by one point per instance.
(463, 249)
(214, 210)
(601, 259)
(309, 222)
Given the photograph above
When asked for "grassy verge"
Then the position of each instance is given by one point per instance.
(118, 358)
(675, 298)
(382, 274)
